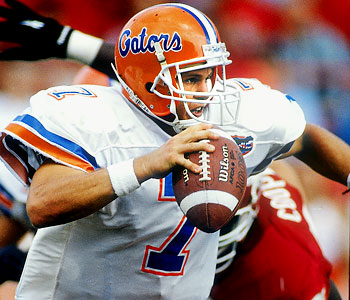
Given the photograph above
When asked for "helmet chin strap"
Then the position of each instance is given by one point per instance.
(183, 124)
(178, 125)
(162, 61)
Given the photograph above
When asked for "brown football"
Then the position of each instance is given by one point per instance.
(210, 199)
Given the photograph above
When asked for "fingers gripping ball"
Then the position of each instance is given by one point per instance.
(210, 199)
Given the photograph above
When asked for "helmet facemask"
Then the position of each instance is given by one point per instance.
(171, 75)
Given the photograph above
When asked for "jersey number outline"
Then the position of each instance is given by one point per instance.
(60, 95)
(170, 258)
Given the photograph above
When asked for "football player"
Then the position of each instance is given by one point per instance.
(58, 147)
(267, 195)
(280, 231)
(275, 218)
(268, 251)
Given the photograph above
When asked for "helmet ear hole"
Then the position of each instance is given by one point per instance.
(148, 86)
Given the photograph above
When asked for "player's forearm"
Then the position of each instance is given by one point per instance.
(60, 194)
(325, 153)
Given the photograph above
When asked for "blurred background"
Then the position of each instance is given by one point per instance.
(300, 47)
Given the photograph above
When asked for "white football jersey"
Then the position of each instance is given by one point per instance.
(267, 124)
(139, 246)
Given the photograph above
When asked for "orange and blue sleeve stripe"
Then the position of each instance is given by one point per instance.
(34, 135)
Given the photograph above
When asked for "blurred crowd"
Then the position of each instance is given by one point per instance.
(297, 46)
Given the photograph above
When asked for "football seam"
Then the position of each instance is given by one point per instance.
(230, 201)
(207, 212)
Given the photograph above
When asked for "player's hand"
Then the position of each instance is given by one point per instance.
(37, 37)
(160, 162)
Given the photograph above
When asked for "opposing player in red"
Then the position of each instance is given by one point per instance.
(269, 251)
(189, 81)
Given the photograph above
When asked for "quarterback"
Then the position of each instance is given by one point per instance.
(98, 161)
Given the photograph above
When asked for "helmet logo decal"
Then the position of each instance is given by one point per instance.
(144, 43)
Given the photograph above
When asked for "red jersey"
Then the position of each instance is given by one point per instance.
(280, 257)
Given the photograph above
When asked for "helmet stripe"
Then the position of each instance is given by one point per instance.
(203, 21)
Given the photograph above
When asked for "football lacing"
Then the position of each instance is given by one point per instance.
(204, 161)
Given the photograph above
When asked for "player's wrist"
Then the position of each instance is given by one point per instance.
(123, 177)
(83, 47)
